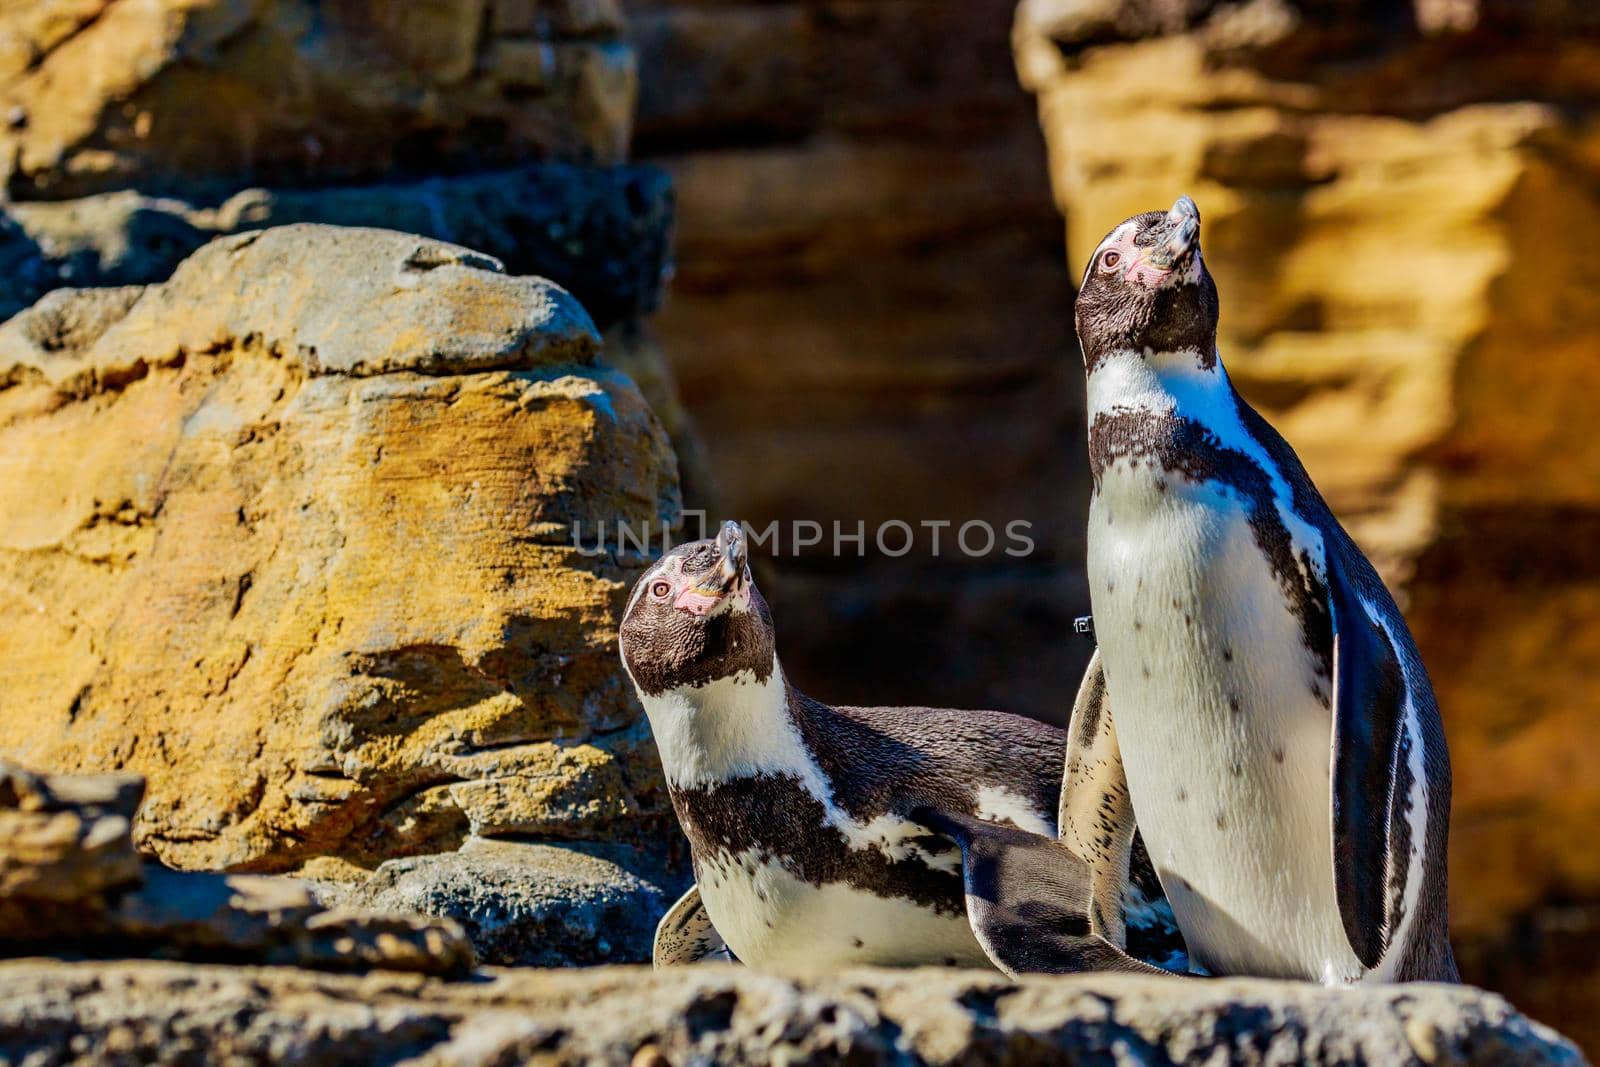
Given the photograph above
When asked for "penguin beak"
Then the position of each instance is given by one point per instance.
(724, 579)
(734, 553)
(1184, 235)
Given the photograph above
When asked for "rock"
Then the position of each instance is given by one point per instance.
(295, 536)
(274, 920)
(1398, 213)
(602, 233)
(169, 1013)
(170, 96)
(869, 265)
(525, 904)
(65, 844)
(71, 881)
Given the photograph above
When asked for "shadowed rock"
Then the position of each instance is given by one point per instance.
(71, 883)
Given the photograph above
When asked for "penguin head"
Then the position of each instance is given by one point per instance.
(1147, 289)
(696, 616)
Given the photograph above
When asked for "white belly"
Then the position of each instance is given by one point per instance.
(770, 918)
(1225, 742)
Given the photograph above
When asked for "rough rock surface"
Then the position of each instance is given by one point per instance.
(529, 904)
(601, 233)
(70, 881)
(165, 94)
(293, 534)
(1400, 205)
(140, 1013)
(871, 321)
(66, 846)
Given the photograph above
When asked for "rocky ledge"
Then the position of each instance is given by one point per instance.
(70, 881)
(144, 1012)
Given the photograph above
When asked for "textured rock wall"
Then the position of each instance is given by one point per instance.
(292, 536)
(296, 544)
(870, 321)
(1399, 208)
(100, 94)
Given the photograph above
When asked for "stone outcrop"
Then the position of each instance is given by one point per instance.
(1398, 204)
(293, 537)
(529, 904)
(163, 95)
(71, 881)
(140, 1013)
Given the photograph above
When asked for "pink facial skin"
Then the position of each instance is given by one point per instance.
(1134, 267)
(1146, 274)
(695, 602)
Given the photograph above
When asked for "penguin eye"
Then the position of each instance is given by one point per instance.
(746, 575)
(659, 590)
(1110, 258)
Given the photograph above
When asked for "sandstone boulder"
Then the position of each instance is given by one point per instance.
(142, 1013)
(169, 95)
(293, 536)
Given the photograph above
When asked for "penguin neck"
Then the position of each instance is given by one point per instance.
(1180, 383)
(739, 726)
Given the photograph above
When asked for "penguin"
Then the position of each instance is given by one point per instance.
(1278, 737)
(827, 836)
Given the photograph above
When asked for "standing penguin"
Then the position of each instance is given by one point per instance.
(1280, 740)
(826, 836)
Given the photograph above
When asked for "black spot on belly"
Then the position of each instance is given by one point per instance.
(777, 820)
(1233, 704)
(1183, 794)
(1222, 821)
(1277, 754)
(857, 942)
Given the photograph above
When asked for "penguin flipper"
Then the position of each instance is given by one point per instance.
(1028, 900)
(1369, 705)
(685, 935)
(1095, 818)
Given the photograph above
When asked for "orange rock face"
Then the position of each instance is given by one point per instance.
(292, 535)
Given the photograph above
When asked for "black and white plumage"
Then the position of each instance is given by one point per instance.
(1281, 745)
(830, 836)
